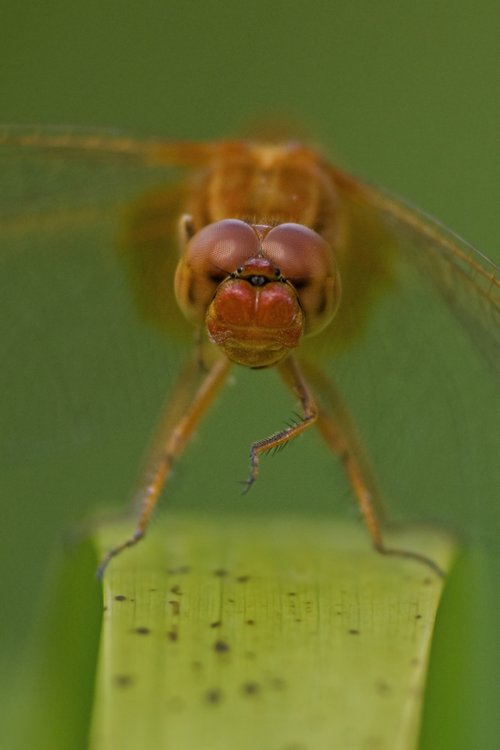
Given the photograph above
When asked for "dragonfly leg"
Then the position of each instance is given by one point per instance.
(338, 431)
(290, 371)
(184, 410)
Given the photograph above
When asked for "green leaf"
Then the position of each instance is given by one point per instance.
(264, 634)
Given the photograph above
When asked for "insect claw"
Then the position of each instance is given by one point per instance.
(130, 542)
(247, 483)
(410, 555)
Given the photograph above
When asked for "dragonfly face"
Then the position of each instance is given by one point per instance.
(269, 235)
(257, 288)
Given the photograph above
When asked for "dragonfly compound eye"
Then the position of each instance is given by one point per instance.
(307, 262)
(209, 257)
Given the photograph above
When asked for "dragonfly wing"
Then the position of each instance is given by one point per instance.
(467, 280)
(81, 362)
(422, 395)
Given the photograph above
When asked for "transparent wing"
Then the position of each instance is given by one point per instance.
(415, 353)
(467, 279)
(80, 362)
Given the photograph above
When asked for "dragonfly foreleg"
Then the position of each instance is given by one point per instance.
(173, 434)
(291, 373)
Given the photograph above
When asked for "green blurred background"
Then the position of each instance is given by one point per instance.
(405, 94)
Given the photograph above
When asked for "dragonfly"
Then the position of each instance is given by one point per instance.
(250, 254)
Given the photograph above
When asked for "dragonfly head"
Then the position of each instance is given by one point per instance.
(258, 289)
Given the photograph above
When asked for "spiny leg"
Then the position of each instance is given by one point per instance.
(291, 372)
(173, 434)
(337, 429)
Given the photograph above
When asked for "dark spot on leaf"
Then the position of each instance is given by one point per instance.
(243, 579)
(221, 647)
(142, 631)
(418, 617)
(292, 593)
(427, 581)
(172, 635)
(176, 590)
(153, 589)
(120, 598)
(123, 680)
(251, 688)
(231, 601)
(382, 687)
(182, 569)
(213, 696)
(216, 624)
(176, 607)
(220, 573)
(250, 622)
(353, 631)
